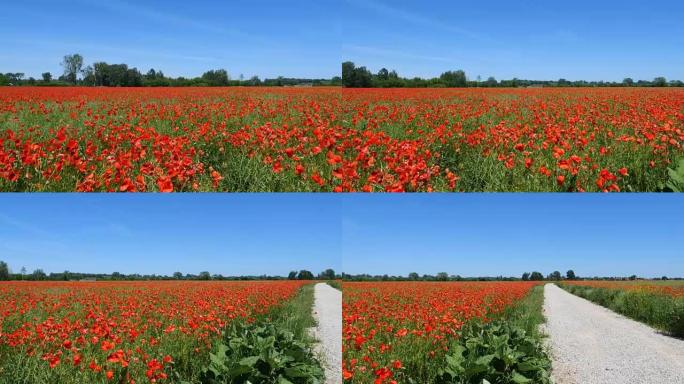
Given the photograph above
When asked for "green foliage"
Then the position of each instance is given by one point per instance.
(72, 67)
(261, 353)
(4, 271)
(216, 78)
(275, 348)
(496, 352)
(337, 284)
(659, 310)
(675, 182)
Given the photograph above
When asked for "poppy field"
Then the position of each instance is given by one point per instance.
(331, 139)
(410, 332)
(124, 332)
(659, 303)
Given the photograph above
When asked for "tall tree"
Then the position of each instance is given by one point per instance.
(453, 78)
(660, 82)
(47, 77)
(526, 276)
(570, 275)
(305, 275)
(328, 274)
(536, 276)
(72, 67)
(38, 274)
(4, 271)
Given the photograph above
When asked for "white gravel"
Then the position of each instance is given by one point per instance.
(328, 314)
(592, 344)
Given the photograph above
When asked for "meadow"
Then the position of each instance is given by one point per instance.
(657, 303)
(156, 332)
(333, 139)
(443, 332)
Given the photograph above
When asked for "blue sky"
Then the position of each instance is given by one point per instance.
(296, 38)
(531, 39)
(508, 234)
(231, 234)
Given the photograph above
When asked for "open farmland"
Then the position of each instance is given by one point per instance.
(451, 332)
(328, 139)
(138, 332)
(656, 303)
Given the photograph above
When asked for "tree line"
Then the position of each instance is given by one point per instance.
(102, 74)
(40, 275)
(527, 276)
(362, 77)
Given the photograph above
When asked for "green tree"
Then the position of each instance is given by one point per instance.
(38, 274)
(536, 276)
(305, 275)
(660, 82)
(216, 77)
(4, 271)
(628, 82)
(555, 275)
(442, 276)
(491, 82)
(72, 67)
(177, 275)
(526, 276)
(47, 77)
(204, 275)
(348, 74)
(328, 274)
(413, 276)
(383, 74)
(453, 78)
(570, 275)
(292, 275)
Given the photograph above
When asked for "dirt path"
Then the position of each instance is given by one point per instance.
(328, 314)
(591, 344)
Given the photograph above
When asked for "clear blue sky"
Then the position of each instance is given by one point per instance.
(231, 234)
(508, 234)
(294, 38)
(531, 39)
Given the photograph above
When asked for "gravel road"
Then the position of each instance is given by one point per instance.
(591, 344)
(328, 314)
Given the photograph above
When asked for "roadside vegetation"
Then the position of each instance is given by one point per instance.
(508, 349)
(658, 304)
(443, 332)
(275, 348)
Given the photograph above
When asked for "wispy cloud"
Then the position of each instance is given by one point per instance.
(155, 15)
(150, 53)
(416, 19)
(22, 226)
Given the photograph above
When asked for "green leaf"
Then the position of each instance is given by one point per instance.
(484, 360)
(250, 361)
(519, 379)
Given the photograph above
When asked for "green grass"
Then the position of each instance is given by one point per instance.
(337, 284)
(661, 311)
